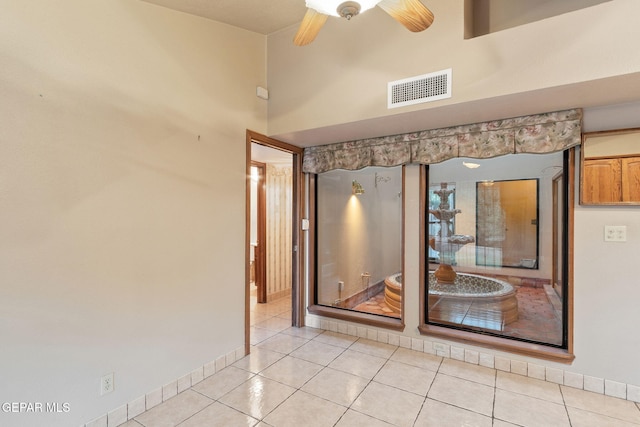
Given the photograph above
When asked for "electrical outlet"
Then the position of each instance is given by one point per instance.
(106, 384)
(615, 233)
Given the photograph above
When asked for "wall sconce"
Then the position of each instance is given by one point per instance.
(356, 188)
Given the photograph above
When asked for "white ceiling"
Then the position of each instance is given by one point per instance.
(259, 16)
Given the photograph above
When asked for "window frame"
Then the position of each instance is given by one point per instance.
(391, 323)
(538, 350)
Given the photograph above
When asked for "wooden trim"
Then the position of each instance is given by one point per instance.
(247, 250)
(261, 258)
(422, 229)
(297, 197)
(569, 223)
(358, 317)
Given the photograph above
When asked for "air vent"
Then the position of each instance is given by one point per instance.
(419, 89)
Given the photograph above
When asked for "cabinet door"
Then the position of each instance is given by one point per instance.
(602, 181)
(631, 179)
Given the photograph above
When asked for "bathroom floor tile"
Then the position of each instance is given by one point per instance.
(601, 404)
(529, 411)
(582, 418)
(257, 396)
(373, 348)
(467, 371)
(304, 332)
(529, 387)
(303, 409)
(356, 363)
(220, 383)
(292, 371)
(336, 386)
(219, 415)
(310, 377)
(389, 404)
(318, 352)
(357, 419)
(258, 335)
(282, 343)
(462, 393)
(436, 413)
(405, 377)
(258, 360)
(174, 410)
(415, 358)
(334, 338)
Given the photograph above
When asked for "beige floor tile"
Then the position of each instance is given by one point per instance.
(467, 371)
(373, 348)
(415, 358)
(529, 387)
(174, 410)
(581, 418)
(292, 371)
(601, 404)
(463, 393)
(220, 383)
(435, 413)
(529, 411)
(282, 343)
(334, 338)
(500, 423)
(303, 409)
(318, 352)
(131, 423)
(258, 396)
(405, 377)
(338, 387)
(304, 332)
(219, 415)
(258, 360)
(389, 404)
(356, 363)
(356, 419)
(274, 324)
(258, 335)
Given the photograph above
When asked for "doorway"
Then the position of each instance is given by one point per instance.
(273, 242)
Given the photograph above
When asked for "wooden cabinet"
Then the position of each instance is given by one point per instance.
(611, 180)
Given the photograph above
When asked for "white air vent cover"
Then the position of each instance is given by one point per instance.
(415, 90)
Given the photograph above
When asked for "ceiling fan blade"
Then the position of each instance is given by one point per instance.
(310, 27)
(411, 13)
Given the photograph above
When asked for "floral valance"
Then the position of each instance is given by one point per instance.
(541, 133)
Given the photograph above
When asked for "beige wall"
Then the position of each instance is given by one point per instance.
(342, 76)
(122, 179)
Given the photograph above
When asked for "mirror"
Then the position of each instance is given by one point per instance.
(507, 223)
(610, 168)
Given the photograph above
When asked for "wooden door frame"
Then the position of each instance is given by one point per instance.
(260, 255)
(297, 290)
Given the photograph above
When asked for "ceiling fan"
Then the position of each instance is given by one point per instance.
(411, 13)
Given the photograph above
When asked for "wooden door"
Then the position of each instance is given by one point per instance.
(520, 203)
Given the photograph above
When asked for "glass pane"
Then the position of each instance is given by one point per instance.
(494, 260)
(359, 240)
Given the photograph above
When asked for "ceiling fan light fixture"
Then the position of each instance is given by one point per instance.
(342, 8)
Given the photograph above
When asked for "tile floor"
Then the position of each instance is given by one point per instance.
(309, 377)
(538, 319)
